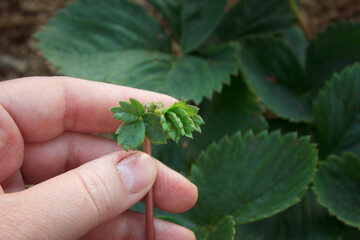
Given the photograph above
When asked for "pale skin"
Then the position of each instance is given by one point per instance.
(84, 184)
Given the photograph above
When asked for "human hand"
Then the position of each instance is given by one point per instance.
(45, 126)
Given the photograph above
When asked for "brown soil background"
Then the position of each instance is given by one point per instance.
(19, 19)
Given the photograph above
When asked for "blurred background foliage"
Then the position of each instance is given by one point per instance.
(20, 19)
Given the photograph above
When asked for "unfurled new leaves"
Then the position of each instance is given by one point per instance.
(155, 122)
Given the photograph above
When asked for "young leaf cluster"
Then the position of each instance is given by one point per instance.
(154, 122)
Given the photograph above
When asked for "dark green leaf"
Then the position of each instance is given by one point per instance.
(170, 11)
(252, 17)
(277, 98)
(337, 185)
(256, 176)
(131, 135)
(306, 220)
(336, 112)
(174, 156)
(235, 108)
(89, 27)
(296, 38)
(190, 22)
(332, 50)
(279, 62)
(154, 131)
(224, 230)
(119, 42)
(199, 19)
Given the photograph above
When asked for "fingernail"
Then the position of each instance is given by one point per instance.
(137, 172)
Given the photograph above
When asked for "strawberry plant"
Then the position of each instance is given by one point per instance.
(279, 157)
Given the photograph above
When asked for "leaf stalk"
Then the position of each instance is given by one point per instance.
(294, 8)
(149, 202)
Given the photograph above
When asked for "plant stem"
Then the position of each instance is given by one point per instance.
(294, 8)
(149, 202)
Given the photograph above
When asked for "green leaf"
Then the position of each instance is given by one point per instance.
(296, 38)
(254, 17)
(189, 109)
(176, 122)
(154, 131)
(279, 61)
(138, 106)
(170, 10)
(257, 176)
(119, 42)
(277, 98)
(197, 120)
(181, 119)
(199, 19)
(235, 108)
(174, 156)
(336, 112)
(131, 135)
(129, 108)
(224, 230)
(337, 185)
(125, 113)
(190, 22)
(306, 220)
(126, 117)
(332, 50)
(105, 26)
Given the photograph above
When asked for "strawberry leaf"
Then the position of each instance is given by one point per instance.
(121, 43)
(278, 98)
(253, 17)
(137, 106)
(336, 112)
(332, 50)
(279, 62)
(337, 185)
(154, 131)
(280, 167)
(305, 220)
(224, 230)
(131, 135)
(199, 19)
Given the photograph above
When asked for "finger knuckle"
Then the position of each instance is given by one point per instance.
(97, 191)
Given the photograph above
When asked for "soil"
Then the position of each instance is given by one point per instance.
(19, 19)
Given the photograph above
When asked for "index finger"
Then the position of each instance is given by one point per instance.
(44, 107)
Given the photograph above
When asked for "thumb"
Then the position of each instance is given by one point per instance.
(71, 204)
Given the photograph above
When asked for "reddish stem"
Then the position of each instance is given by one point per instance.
(149, 202)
